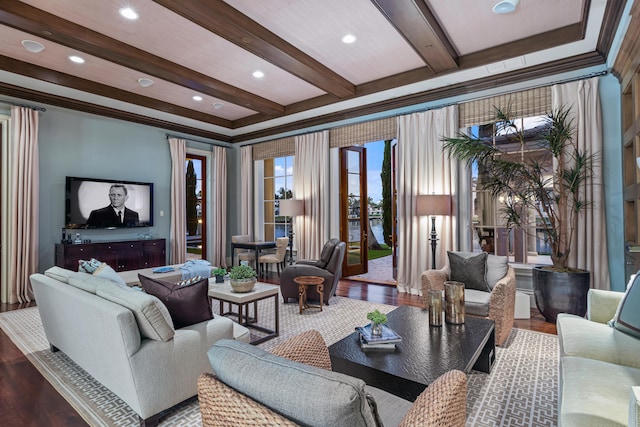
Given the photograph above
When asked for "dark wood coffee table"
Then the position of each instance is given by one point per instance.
(425, 353)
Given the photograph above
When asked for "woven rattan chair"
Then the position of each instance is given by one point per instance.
(442, 404)
(502, 300)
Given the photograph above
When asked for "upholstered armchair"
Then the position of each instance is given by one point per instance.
(477, 270)
(328, 266)
(443, 403)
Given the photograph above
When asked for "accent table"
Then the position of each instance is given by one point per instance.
(425, 353)
(223, 293)
(303, 283)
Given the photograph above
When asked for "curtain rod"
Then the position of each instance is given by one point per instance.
(219, 144)
(568, 80)
(15, 104)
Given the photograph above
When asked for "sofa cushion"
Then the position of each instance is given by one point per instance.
(62, 274)
(470, 269)
(497, 267)
(476, 302)
(580, 337)
(106, 272)
(310, 396)
(627, 317)
(594, 393)
(151, 315)
(187, 305)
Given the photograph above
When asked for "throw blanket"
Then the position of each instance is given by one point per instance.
(195, 267)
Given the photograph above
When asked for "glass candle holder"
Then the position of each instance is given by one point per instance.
(434, 299)
(454, 302)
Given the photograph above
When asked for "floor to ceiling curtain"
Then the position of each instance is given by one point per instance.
(589, 248)
(311, 184)
(219, 214)
(178, 233)
(246, 190)
(20, 192)
(423, 168)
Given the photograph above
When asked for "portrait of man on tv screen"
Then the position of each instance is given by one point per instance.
(116, 214)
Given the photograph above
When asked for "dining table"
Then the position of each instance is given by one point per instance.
(255, 246)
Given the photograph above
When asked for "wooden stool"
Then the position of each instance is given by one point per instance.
(303, 282)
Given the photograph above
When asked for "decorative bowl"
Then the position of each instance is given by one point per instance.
(242, 285)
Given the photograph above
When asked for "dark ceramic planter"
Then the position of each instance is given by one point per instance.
(564, 292)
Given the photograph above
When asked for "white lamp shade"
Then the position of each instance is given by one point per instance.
(433, 204)
(291, 207)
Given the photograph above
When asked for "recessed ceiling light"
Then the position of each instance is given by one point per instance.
(129, 13)
(348, 39)
(506, 6)
(76, 59)
(218, 105)
(258, 74)
(32, 46)
(145, 82)
(197, 98)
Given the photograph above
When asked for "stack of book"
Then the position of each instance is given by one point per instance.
(386, 341)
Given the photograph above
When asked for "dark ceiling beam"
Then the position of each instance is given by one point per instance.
(100, 110)
(549, 69)
(225, 21)
(415, 22)
(612, 16)
(66, 80)
(26, 18)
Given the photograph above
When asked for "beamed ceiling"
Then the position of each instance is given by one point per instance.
(406, 52)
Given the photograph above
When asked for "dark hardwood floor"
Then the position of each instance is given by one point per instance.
(28, 399)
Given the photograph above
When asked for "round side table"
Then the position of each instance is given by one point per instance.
(305, 281)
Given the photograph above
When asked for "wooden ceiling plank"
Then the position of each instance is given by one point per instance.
(417, 24)
(35, 21)
(66, 80)
(225, 21)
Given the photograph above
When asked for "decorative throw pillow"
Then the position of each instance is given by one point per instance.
(189, 281)
(89, 266)
(627, 318)
(107, 272)
(187, 304)
(497, 267)
(470, 270)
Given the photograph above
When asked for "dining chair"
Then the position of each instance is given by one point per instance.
(243, 254)
(277, 258)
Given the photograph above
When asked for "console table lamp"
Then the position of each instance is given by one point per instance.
(291, 208)
(433, 204)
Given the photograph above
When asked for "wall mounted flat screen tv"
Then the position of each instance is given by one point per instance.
(102, 203)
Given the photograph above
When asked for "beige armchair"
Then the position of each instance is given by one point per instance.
(443, 403)
(497, 305)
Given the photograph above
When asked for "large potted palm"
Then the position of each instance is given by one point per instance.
(537, 196)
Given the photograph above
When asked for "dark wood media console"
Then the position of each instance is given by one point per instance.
(121, 255)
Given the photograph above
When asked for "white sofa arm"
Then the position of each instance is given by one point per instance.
(634, 407)
(602, 305)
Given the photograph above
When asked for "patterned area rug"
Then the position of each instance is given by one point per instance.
(521, 389)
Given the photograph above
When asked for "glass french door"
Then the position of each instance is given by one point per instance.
(354, 214)
(196, 206)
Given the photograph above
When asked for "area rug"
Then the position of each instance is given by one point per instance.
(521, 389)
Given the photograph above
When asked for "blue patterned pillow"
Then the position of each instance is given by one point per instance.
(89, 266)
(627, 318)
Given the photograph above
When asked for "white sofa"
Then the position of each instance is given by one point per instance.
(599, 371)
(122, 337)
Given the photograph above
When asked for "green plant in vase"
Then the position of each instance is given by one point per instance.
(219, 273)
(377, 319)
(242, 278)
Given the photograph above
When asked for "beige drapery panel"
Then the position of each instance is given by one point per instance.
(361, 133)
(531, 102)
(246, 190)
(423, 169)
(178, 234)
(311, 184)
(219, 204)
(282, 147)
(20, 192)
(589, 250)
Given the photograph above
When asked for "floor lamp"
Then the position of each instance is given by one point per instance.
(433, 204)
(291, 208)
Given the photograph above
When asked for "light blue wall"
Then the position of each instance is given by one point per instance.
(85, 145)
(610, 103)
